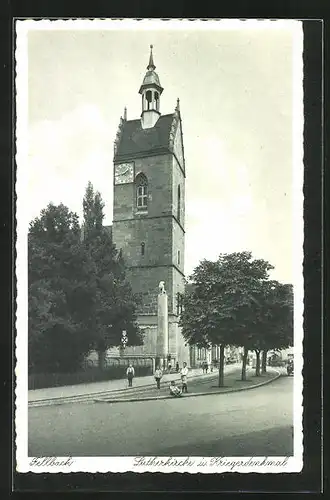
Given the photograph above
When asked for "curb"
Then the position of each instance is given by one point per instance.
(155, 398)
(83, 398)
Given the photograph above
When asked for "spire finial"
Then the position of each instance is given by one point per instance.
(125, 113)
(178, 104)
(151, 60)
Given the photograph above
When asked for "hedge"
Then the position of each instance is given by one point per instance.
(92, 374)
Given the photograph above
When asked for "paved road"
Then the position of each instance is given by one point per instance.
(247, 423)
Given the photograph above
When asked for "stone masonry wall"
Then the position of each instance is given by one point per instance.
(144, 282)
(162, 236)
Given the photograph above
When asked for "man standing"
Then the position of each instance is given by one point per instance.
(158, 376)
(184, 377)
(130, 374)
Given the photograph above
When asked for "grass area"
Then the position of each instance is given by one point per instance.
(233, 381)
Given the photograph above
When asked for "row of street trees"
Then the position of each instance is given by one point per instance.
(233, 301)
(79, 298)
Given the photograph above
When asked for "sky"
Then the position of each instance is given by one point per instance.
(236, 91)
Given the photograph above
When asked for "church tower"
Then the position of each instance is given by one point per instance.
(149, 211)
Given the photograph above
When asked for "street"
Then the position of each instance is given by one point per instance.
(247, 423)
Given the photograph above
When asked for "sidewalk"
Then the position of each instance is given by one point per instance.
(197, 386)
(107, 386)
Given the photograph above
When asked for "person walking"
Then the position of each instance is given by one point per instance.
(184, 377)
(177, 367)
(130, 372)
(158, 376)
(206, 367)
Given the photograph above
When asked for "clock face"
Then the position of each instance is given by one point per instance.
(124, 173)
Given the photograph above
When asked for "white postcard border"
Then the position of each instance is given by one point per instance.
(174, 464)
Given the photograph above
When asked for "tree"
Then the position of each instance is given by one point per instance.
(246, 283)
(207, 313)
(278, 319)
(271, 319)
(220, 308)
(61, 291)
(115, 304)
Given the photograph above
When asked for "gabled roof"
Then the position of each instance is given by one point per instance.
(136, 141)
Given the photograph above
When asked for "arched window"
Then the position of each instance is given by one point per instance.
(149, 98)
(179, 203)
(141, 192)
(143, 246)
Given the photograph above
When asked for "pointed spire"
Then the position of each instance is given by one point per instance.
(177, 105)
(151, 65)
(125, 114)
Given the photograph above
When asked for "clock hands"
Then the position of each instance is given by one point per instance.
(121, 173)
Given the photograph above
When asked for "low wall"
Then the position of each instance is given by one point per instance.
(92, 374)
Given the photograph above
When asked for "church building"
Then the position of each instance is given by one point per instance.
(149, 213)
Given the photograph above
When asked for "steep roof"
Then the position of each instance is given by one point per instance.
(134, 140)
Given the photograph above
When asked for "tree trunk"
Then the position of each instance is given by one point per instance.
(244, 361)
(101, 359)
(257, 351)
(221, 365)
(264, 361)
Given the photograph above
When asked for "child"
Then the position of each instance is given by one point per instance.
(175, 390)
(158, 376)
(130, 372)
(184, 376)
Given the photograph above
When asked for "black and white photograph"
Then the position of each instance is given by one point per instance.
(159, 245)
